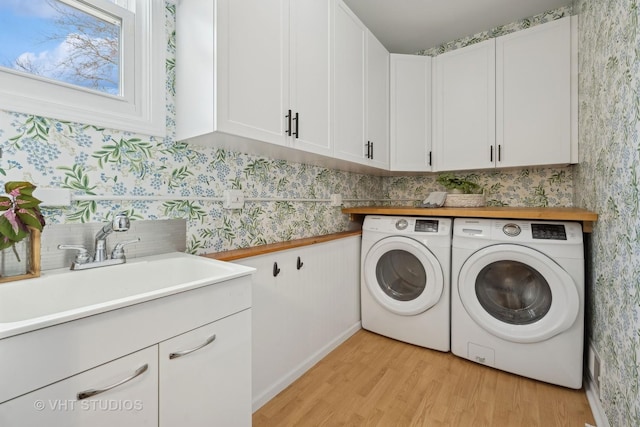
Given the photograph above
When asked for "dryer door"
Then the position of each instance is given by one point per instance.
(517, 293)
(403, 275)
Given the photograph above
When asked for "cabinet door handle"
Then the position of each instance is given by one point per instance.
(369, 145)
(429, 158)
(288, 117)
(276, 270)
(177, 354)
(491, 155)
(299, 263)
(499, 152)
(93, 391)
(297, 120)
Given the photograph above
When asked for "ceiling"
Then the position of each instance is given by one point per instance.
(408, 26)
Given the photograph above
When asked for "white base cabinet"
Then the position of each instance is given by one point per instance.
(300, 315)
(44, 371)
(131, 404)
(205, 375)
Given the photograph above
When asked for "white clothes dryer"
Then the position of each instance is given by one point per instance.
(517, 299)
(405, 284)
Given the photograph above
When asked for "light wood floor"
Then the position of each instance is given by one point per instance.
(371, 380)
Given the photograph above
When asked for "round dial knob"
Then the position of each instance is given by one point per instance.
(511, 229)
(401, 224)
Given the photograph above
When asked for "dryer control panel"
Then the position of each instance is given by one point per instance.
(519, 231)
(426, 225)
(548, 231)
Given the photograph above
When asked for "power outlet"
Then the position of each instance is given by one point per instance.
(594, 367)
(233, 199)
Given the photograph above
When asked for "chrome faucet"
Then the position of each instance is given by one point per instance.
(84, 260)
(119, 223)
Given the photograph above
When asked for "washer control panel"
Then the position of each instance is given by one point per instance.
(425, 227)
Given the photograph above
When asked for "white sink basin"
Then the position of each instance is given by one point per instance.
(62, 295)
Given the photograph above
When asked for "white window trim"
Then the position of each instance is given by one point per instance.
(142, 109)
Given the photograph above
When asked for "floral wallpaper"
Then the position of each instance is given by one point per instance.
(606, 181)
(498, 31)
(134, 169)
(540, 187)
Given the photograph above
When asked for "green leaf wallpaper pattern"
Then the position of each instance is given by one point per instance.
(606, 181)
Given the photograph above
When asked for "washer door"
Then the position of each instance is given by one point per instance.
(403, 275)
(517, 293)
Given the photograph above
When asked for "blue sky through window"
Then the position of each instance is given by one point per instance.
(31, 32)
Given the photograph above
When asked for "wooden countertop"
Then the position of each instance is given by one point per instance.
(554, 214)
(274, 247)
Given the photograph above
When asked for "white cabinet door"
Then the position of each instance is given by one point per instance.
(533, 95)
(301, 314)
(465, 107)
(411, 113)
(131, 403)
(231, 73)
(310, 73)
(277, 324)
(349, 86)
(205, 375)
(377, 102)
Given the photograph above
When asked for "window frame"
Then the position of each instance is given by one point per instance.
(141, 108)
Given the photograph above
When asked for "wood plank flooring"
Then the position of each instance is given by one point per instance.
(372, 380)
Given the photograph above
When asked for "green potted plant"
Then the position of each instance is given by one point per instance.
(19, 213)
(462, 191)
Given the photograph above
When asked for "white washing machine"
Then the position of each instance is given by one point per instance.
(405, 283)
(517, 299)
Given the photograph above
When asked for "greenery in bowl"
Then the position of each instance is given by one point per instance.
(19, 210)
(458, 184)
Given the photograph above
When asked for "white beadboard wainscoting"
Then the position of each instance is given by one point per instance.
(300, 315)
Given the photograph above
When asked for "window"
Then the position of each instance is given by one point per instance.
(90, 61)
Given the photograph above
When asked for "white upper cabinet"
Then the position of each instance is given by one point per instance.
(533, 95)
(310, 75)
(256, 69)
(410, 113)
(508, 101)
(231, 73)
(349, 52)
(465, 107)
(377, 102)
(361, 92)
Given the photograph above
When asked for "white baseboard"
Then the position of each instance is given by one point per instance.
(594, 402)
(297, 372)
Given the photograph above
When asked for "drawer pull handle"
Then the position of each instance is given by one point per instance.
(299, 263)
(177, 354)
(92, 392)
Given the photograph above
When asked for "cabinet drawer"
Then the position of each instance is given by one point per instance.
(131, 403)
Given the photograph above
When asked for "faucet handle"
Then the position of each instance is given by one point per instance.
(82, 257)
(118, 250)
